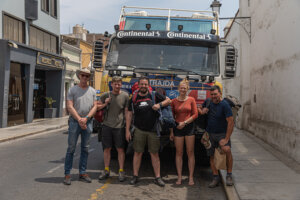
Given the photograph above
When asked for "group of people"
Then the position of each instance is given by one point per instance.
(140, 112)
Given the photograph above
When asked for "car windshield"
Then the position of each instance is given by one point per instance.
(164, 55)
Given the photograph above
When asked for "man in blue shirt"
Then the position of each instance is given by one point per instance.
(219, 126)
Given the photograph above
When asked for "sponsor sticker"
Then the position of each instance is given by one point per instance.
(201, 95)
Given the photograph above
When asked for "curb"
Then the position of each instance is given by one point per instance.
(32, 133)
(230, 191)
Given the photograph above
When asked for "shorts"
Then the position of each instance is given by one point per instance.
(215, 139)
(141, 138)
(112, 136)
(188, 130)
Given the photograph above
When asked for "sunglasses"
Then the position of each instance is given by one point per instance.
(83, 75)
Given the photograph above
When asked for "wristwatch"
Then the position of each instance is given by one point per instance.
(87, 117)
(160, 104)
(185, 123)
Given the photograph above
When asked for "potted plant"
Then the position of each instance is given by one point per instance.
(50, 112)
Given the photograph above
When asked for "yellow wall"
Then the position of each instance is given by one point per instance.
(86, 53)
(98, 75)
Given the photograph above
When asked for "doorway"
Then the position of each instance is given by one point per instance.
(17, 95)
(39, 93)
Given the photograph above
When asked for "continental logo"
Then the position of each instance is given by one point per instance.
(122, 34)
(189, 36)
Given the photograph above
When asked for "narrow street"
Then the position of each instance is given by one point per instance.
(32, 168)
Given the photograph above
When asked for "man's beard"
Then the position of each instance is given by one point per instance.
(217, 100)
(144, 91)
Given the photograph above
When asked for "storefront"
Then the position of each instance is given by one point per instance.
(27, 77)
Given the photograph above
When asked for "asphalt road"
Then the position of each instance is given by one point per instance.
(32, 168)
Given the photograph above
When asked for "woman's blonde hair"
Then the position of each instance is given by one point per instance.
(186, 82)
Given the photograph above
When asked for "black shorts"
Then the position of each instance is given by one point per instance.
(188, 130)
(215, 138)
(112, 136)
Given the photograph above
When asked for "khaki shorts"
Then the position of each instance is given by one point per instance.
(141, 138)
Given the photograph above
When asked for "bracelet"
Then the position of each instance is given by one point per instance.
(87, 117)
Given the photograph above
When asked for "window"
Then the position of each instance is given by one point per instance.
(13, 29)
(53, 7)
(43, 40)
(50, 7)
(45, 5)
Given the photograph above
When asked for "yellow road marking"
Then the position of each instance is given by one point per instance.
(100, 190)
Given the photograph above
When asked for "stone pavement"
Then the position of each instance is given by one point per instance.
(261, 172)
(38, 126)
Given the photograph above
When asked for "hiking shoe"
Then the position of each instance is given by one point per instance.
(104, 175)
(67, 180)
(122, 176)
(134, 180)
(214, 183)
(158, 181)
(85, 178)
(229, 181)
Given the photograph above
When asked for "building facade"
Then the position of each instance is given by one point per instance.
(84, 40)
(73, 63)
(268, 83)
(31, 67)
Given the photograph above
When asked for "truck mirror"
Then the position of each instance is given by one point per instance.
(230, 62)
(97, 54)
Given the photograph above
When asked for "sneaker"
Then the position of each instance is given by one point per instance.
(85, 178)
(134, 180)
(229, 181)
(214, 183)
(104, 175)
(67, 180)
(158, 181)
(122, 176)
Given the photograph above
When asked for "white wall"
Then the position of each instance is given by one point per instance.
(47, 22)
(232, 86)
(17, 9)
(269, 83)
(9, 6)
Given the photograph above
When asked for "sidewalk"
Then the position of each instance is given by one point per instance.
(258, 173)
(35, 127)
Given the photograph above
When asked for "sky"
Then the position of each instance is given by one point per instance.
(98, 16)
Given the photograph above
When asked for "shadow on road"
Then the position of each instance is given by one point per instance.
(57, 180)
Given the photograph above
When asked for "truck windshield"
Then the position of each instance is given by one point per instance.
(163, 55)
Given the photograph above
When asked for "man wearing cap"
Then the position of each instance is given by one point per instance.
(82, 105)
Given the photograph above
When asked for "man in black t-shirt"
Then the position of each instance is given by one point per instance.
(145, 115)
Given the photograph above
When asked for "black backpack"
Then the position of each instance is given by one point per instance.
(201, 121)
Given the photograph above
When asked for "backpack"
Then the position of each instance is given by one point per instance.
(235, 105)
(201, 121)
(165, 119)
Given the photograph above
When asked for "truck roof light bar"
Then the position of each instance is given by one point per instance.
(212, 15)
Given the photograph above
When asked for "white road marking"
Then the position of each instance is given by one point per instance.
(55, 168)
